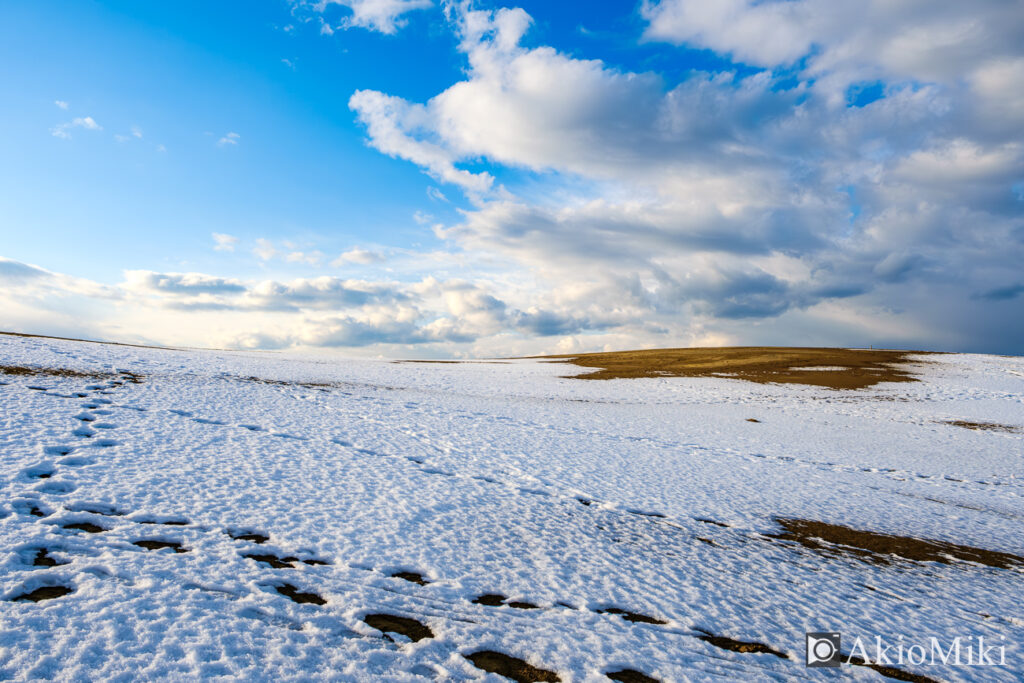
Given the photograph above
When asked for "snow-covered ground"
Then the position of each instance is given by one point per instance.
(498, 478)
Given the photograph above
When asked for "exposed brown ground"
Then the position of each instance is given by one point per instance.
(510, 667)
(984, 426)
(857, 368)
(875, 547)
(25, 371)
(740, 645)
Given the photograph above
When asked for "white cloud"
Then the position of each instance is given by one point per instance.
(358, 255)
(63, 130)
(386, 16)
(229, 139)
(311, 258)
(709, 209)
(61, 104)
(846, 40)
(224, 242)
(264, 249)
(722, 199)
(392, 124)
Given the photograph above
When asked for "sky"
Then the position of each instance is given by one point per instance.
(431, 178)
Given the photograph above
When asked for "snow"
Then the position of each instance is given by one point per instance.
(476, 476)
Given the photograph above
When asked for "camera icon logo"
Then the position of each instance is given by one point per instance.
(823, 650)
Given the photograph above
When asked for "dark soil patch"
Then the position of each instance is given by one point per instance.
(630, 676)
(490, 599)
(158, 545)
(764, 365)
(751, 419)
(313, 562)
(632, 616)
(705, 520)
(273, 560)
(26, 371)
(43, 559)
(642, 513)
(412, 577)
(389, 623)
(584, 501)
(36, 512)
(984, 426)
(892, 672)
(85, 526)
(875, 547)
(510, 667)
(283, 383)
(43, 593)
(293, 593)
(172, 522)
(105, 510)
(246, 536)
(740, 646)
(518, 604)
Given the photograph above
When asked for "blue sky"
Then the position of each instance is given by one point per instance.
(408, 177)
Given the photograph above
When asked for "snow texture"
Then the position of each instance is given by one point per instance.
(651, 496)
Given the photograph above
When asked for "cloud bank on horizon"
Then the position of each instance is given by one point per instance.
(835, 173)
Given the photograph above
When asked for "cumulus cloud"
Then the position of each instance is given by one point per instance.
(386, 16)
(771, 205)
(847, 40)
(61, 104)
(189, 284)
(358, 255)
(229, 139)
(723, 198)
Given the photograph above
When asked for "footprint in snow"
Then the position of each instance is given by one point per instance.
(634, 617)
(105, 509)
(164, 521)
(498, 600)
(404, 626)
(87, 527)
(732, 645)
(42, 558)
(510, 667)
(76, 461)
(31, 507)
(56, 488)
(293, 594)
(411, 577)
(158, 544)
(630, 676)
(43, 593)
(247, 535)
(40, 471)
(282, 562)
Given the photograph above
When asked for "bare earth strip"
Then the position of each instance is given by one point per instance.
(832, 368)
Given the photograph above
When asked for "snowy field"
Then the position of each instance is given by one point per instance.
(276, 496)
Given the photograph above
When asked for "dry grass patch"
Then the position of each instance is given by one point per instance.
(872, 546)
(832, 368)
(984, 426)
(26, 371)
